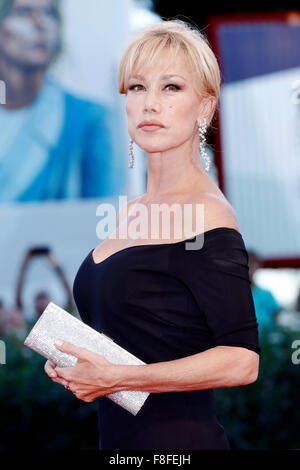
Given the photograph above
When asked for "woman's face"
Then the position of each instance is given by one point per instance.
(166, 97)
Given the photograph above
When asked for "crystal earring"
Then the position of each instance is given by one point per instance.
(202, 129)
(131, 164)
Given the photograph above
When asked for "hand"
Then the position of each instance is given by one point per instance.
(91, 377)
(33, 252)
(39, 250)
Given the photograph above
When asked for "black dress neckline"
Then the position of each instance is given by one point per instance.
(208, 232)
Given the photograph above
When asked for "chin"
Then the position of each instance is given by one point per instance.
(157, 149)
(151, 147)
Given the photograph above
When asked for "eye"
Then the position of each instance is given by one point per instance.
(22, 11)
(51, 11)
(173, 87)
(136, 87)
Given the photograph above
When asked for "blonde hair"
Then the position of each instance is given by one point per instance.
(172, 37)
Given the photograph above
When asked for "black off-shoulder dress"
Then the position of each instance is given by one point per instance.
(163, 302)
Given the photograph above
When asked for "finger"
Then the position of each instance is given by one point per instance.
(60, 381)
(49, 369)
(65, 373)
(68, 373)
(77, 351)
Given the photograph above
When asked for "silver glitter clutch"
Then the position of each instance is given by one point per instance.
(55, 322)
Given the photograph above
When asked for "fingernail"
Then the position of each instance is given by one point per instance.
(52, 374)
(58, 342)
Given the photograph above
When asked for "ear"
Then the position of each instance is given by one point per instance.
(207, 107)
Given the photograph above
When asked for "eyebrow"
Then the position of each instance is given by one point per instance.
(163, 77)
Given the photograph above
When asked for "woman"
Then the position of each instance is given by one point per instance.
(187, 313)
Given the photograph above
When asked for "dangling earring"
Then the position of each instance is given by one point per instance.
(202, 130)
(131, 164)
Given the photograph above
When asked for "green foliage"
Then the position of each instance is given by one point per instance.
(37, 413)
(265, 414)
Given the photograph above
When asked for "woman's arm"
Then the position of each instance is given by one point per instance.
(221, 366)
(93, 376)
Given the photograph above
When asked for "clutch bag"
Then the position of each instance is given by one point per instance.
(55, 322)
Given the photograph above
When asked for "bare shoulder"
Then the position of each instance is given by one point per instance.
(218, 212)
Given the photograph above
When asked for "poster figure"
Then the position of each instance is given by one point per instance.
(53, 145)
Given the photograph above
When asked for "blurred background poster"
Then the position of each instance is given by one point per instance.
(260, 128)
(63, 140)
(58, 62)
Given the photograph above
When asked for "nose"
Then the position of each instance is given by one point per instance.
(38, 18)
(152, 102)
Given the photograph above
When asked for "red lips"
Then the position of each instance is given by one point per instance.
(150, 123)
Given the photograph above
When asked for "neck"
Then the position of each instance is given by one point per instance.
(174, 171)
(22, 85)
